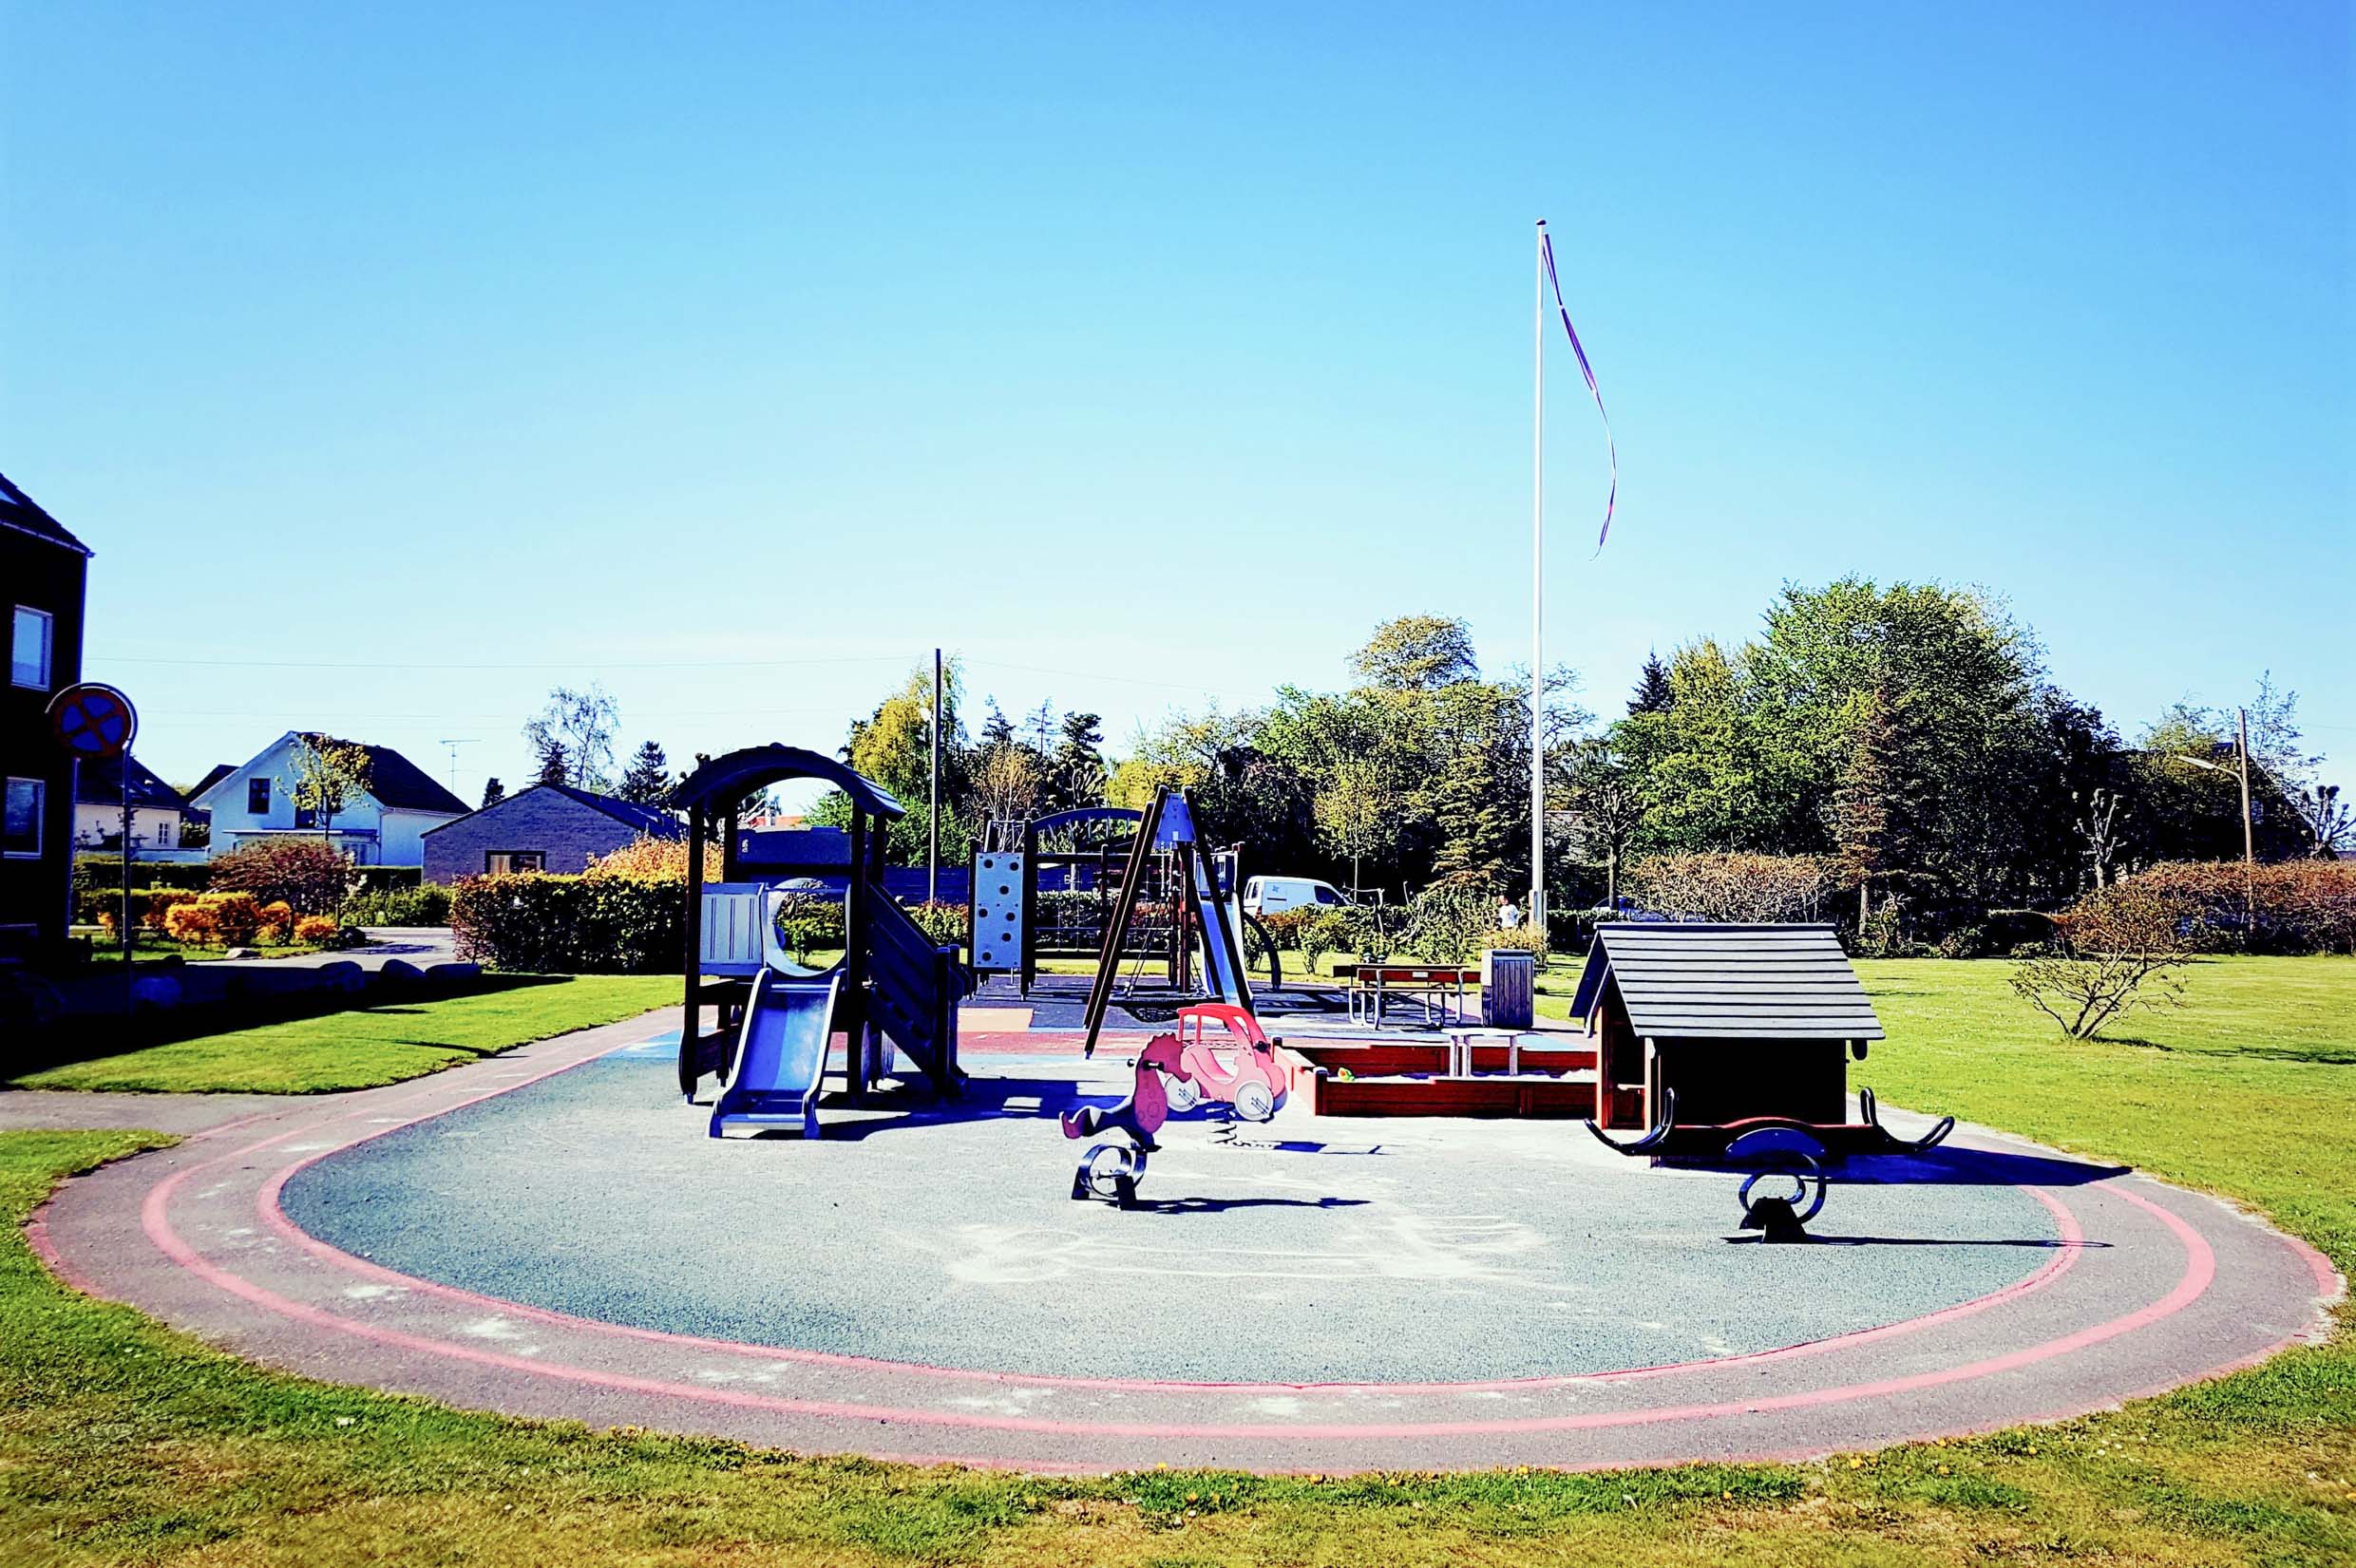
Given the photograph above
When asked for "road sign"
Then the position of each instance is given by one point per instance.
(93, 720)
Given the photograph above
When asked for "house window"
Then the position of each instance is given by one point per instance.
(28, 647)
(258, 796)
(498, 862)
(20, 825)
(306, 816)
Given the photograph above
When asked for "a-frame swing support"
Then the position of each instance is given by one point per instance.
(1164, 829)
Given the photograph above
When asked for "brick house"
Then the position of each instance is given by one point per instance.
(45, 571)
(548, 827)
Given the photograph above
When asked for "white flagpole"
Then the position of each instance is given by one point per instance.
(1537, 596)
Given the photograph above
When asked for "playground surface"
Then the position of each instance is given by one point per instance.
(549, 1233)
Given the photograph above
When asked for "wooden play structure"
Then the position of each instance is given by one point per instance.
(894, 990)
(1052, 886)
(1704, 1032)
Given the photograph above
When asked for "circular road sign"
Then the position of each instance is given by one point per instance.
(93, 720)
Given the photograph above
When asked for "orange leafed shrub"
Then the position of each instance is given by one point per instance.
(237, 916)
(194, 922)
(2294, 906)
(651, 859)
(271, 935)
(315, 927)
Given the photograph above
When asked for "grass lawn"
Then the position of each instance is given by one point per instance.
(369, 1045)
(123, 1442)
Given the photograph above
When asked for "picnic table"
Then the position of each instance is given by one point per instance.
(1440, 989)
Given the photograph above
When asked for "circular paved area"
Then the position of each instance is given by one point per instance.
(1322, 1295)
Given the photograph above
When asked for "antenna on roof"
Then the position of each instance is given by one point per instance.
(468, 740)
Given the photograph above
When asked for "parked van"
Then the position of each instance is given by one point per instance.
(1276, 895)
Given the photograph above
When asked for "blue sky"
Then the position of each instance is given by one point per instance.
(401, 364)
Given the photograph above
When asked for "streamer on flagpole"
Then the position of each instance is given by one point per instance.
(1611, 446)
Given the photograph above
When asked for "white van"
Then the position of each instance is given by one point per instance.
(1276, 895)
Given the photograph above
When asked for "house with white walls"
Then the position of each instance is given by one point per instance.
(384, 825)
(156, 806)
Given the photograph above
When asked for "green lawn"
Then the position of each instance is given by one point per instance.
(369, 1045)
(121, 1441)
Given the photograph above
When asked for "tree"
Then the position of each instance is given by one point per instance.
(647, 780)
(1606, 803)
(2110, 947)
(1080, 767)
(1417, 653)
(329, 775)
(1653, 691)
(493, 792)
(1877, 807)
(1354, 808)
(2330, 823)
(578, 725)
(1007, 779)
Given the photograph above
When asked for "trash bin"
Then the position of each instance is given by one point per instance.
(1507, 981)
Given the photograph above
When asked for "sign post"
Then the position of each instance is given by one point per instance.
(92, 721)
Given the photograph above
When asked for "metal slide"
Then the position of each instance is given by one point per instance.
(781, 1056)
(1223, 951)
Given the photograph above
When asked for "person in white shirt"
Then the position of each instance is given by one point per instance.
(1509, 916)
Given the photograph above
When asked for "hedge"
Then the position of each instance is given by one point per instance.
(570, 925)
(612, 924)
(2292, 907)
(102, 906)
(427, 904)
(102, 872)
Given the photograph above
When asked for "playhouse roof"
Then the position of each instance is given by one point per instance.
(721, 782)
(1721, 982)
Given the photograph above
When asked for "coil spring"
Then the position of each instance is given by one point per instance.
(1222, 1125)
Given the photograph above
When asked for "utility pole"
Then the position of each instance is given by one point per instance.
(932, 830)
(2249, 834)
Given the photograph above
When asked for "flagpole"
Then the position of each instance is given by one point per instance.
(1537, 594)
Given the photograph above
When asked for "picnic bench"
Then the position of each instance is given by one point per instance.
(1439, 987)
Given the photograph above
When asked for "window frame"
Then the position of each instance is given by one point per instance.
(40, 816)
(540, 859)
(263, 785)
(49, 648)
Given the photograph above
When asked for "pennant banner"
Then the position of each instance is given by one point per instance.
(1612, 501)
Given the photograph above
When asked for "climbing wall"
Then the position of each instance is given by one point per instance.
(998, 912)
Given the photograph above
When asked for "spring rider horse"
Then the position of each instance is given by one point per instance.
(1112, 1169)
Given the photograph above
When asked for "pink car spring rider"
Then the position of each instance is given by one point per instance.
(1254, 1083)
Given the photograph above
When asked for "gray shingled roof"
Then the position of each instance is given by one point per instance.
(1761, 982)
(21, 512)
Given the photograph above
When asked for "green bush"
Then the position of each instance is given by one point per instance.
(942, 923)
(1445, 921)
(384, 878)
(421, 904)
(99, 872)
(1966, 942)
(1320, 932)
(1521, 939)
(570, 925)
(806, 921)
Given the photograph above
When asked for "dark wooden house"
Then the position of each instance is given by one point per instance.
(1740, 1020)
(45, 569)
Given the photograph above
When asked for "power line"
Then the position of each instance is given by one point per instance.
(592, 665)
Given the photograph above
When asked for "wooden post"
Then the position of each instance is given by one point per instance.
(855, 952)
(690, 1020)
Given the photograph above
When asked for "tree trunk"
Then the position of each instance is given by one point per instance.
(1865, 904)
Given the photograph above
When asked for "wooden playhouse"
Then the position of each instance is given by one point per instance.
(1724, 1023)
